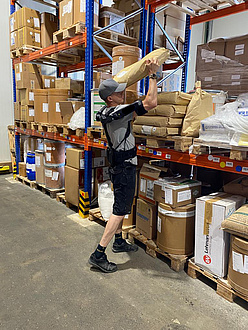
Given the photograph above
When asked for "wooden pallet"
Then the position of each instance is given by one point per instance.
(95, 215)
(176, 142)
(34, 185)
(60, 197)
(24, 50)
(177, 262)
(96, 133)
(112, 38)
(223, 288)
(69, 32)
(23, 124)
(56, 128)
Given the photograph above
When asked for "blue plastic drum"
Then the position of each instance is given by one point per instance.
(30, 166)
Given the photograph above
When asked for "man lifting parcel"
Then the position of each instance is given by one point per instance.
(116, 119)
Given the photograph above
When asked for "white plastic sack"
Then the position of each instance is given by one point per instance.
(77, 119)
(105, 199)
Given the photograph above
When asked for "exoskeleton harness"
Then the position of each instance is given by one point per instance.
(116, 157)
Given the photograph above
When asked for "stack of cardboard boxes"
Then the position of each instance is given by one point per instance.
(167, 118)
(222, 65)
(24, 28)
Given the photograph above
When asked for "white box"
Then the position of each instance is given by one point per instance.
(212, 249)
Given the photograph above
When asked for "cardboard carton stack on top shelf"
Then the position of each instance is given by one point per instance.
(167, 118)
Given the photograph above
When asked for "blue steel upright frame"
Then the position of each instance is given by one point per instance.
(142, 39)
(186, 54)
(151, 28)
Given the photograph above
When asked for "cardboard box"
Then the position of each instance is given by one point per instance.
(13, 22)
(74, 180)
(130, 219)
(27, 113)
(79, 11)
(176, 192)
(49, 25)
(26, 96)
(146, 218)
(13, 40)
(148, 175)
(175, 229)
(28, 37)
(109, 15)
(41, 105)
(238, 187)
(101, 175)
(27, 67)
(27, 17)
(77, 86)
(210, 56)
(17, 111)
(237, 49)
(75, 158)
(67, 109)
(66, 13)
(48, 81)
(22, 169)
(54, 97)
(212, 243)
(28, 76)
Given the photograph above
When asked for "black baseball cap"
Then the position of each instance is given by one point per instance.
(110, 86)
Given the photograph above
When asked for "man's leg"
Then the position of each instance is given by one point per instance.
(113, 225)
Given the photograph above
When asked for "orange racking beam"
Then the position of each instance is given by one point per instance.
(97, 63)
(171, 66)
(235, 9)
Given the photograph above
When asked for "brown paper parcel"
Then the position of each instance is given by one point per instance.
(168, 110)
(158, 121)
(155, 131)
(237, 223)
(138, 70)
(178, 98)
(200, 107)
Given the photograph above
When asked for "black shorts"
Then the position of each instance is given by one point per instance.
(123, 178)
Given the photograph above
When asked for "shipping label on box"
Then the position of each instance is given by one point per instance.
(212, 243)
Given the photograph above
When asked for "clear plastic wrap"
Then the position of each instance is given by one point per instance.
(77, 119)
(105, 199)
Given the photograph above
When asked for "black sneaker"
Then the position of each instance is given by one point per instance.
(124, 247)
(102, 263)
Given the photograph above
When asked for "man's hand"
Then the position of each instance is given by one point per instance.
(152, 65)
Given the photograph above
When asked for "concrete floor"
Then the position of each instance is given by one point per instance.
(46, 282)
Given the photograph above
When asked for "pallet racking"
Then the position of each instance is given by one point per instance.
(197, 12)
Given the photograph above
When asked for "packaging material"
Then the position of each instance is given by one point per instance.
(138, 71)
(13, 22)
(27, 113)
(96, 104)
(238, 269)
(210, 56)
(13, 40)
(28, 76)
(146, 218)
(75, 158)
(101, 175)
(27, 17)
(79, 11)
(22, 169)
(76, 86)
(67, 109)
(41, 105)
(17, 111)
(26, 96)
(105, 199)
(158, 121)
(49, 25)
(48, 81)
(237, 49)
(212, 243)
(54, 176)
(168, 110)
(200, 107)
(54, 152)
(148, 175)
(176, 192)
(176, 98)
(74, 180)
(39, 166)
(237, 187)
(28, 37)
(130, 219)
(54, 97)
(110, 15)
(78, 119)
(237, 223)
(66, 13)
(175, 229)
(155, 131)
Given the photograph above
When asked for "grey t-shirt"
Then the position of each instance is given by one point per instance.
(117, 130)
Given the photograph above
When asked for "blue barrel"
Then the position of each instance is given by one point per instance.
(30, 166)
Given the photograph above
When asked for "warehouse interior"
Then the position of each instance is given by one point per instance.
(188, 215)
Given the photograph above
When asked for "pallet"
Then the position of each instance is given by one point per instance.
(177, 262)
(60, 197)
(34, 185)
(23, 124)
(56, 128)
(70, 32)
(112, 38)
(176, 142)
(95, 215)
(96, 133)
(24, 50)
(223, 288)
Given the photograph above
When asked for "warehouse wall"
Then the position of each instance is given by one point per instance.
(6, 102)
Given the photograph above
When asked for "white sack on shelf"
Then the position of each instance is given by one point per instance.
(77, 119)
(105, 199)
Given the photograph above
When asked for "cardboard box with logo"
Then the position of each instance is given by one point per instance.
(74, 180)
(13, 40)
(77, 86)
(13, 22)
(130, 219)
(67, 109)
(27, 17)
(212, 243)
(176, 191)
(99, 158)
(28, 37)
(146, 218)
(49, 25)
(79, 11)
(75, 158)
(175, 229)
(66, 13)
